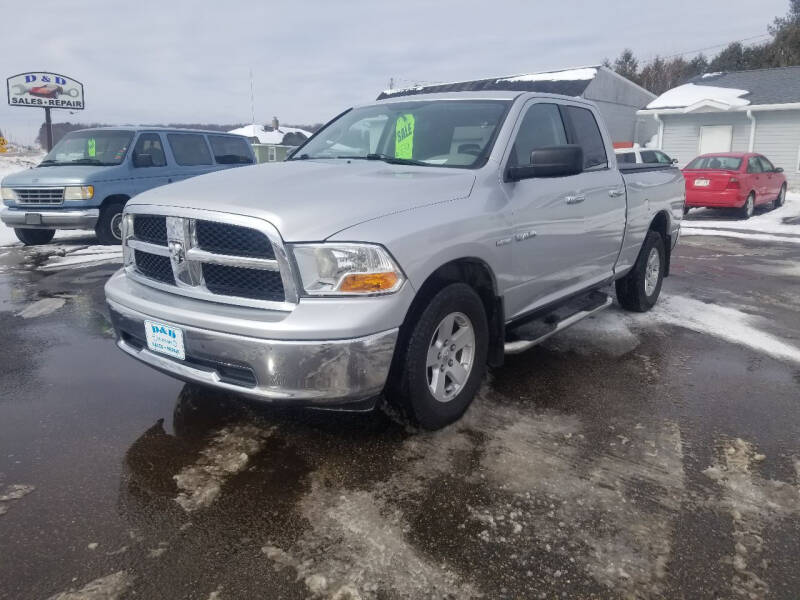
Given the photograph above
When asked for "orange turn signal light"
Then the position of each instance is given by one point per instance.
(368, 282)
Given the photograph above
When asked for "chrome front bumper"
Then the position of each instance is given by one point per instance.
(31, 218)
(316, 373)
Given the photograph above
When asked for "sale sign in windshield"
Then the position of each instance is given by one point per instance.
(45, 90)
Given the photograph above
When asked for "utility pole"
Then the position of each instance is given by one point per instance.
(48, 127)
(391, 83)
(252, 100)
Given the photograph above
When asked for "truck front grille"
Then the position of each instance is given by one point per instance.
(154, 266)
(209, 259)
(150, 228)
(45, 196)
(243, 282)
(221, 238)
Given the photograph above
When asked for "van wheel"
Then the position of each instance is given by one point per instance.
(639, 289)
(34, 237)
(749, 206)
(109, 225)
(439, 365)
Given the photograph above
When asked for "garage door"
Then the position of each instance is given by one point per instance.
(715, 138)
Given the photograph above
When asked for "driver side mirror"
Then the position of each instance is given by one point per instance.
(674, 161)
(142, 160)
(552, 161)
(778, 170)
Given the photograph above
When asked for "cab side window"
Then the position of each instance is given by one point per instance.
(585, 132)
(148, 151)
(541, 127)
(626, 158)
(648, 156)
(662, 158)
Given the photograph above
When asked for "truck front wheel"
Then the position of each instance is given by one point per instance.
(34, 237)
(441, 361)
(639, 289)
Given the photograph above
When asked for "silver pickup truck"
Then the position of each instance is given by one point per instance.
(403, 248)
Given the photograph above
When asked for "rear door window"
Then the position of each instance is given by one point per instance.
(626, 158)
(585, 132)
(189, 149)
(541, 127)
(229, 150)
(148, 151)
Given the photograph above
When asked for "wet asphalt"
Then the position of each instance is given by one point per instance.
(628, 458)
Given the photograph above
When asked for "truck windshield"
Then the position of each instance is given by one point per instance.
(90, 147)
(442, 133)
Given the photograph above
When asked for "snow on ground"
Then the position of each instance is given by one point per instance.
(690, 94)
(781, 224)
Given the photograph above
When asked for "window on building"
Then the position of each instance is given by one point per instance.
(189, 149)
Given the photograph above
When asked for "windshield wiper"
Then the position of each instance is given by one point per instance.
(393, 160)
(89, 161)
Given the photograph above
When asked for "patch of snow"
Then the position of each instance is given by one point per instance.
(42, 307)
(783, 221)
(758, 237)
(690, 94)
(723, 322)
(110, 587)
(714, 74)
(268, 137)
(12, 493)
(83, 256)
(226, 455)
(583, 74)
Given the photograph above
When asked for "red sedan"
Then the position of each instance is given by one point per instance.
(733, 180)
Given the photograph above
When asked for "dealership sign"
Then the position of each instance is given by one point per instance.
(45, 90)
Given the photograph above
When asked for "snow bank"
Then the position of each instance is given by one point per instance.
(268, 137)
(584, 74)
(690, 94)
(781, 224)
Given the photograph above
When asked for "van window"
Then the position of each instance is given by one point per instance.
(149, 144)
(541, 127)
(586, 133)
(229, 150)
(189, 149)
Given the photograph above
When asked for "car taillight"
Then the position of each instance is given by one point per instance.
(733, 183)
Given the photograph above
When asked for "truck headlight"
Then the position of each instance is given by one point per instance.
(78, 192)
(8, 194)
(346, 269)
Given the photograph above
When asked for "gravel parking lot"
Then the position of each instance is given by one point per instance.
(632, 456)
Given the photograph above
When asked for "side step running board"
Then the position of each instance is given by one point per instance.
(521, 345)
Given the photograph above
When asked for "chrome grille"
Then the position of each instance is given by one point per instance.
(42, 196)
(208, 255)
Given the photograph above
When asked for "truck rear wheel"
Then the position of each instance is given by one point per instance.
(442, 359)
(109, 226)
(34, 237)
(639, 289)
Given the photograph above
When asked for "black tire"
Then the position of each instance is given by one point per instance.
(749, 206)
(408, 388)
(34, 237)
(107, 227)
(631, 289)
(781, 199)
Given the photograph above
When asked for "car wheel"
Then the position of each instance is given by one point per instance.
(639, 290)
(779, 201)
(109, 225)
(749, 206)
(34, 237)
(441, 360)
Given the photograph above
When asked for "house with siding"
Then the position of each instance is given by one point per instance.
(744, 111)
(617, 98)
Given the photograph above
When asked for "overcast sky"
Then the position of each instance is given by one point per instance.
(189, 61)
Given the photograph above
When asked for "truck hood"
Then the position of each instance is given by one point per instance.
(62, 175)
(310, 200)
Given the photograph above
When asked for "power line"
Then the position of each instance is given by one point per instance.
(748, 39)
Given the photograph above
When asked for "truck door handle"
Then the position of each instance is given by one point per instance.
(575, 199)
(616, 193)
